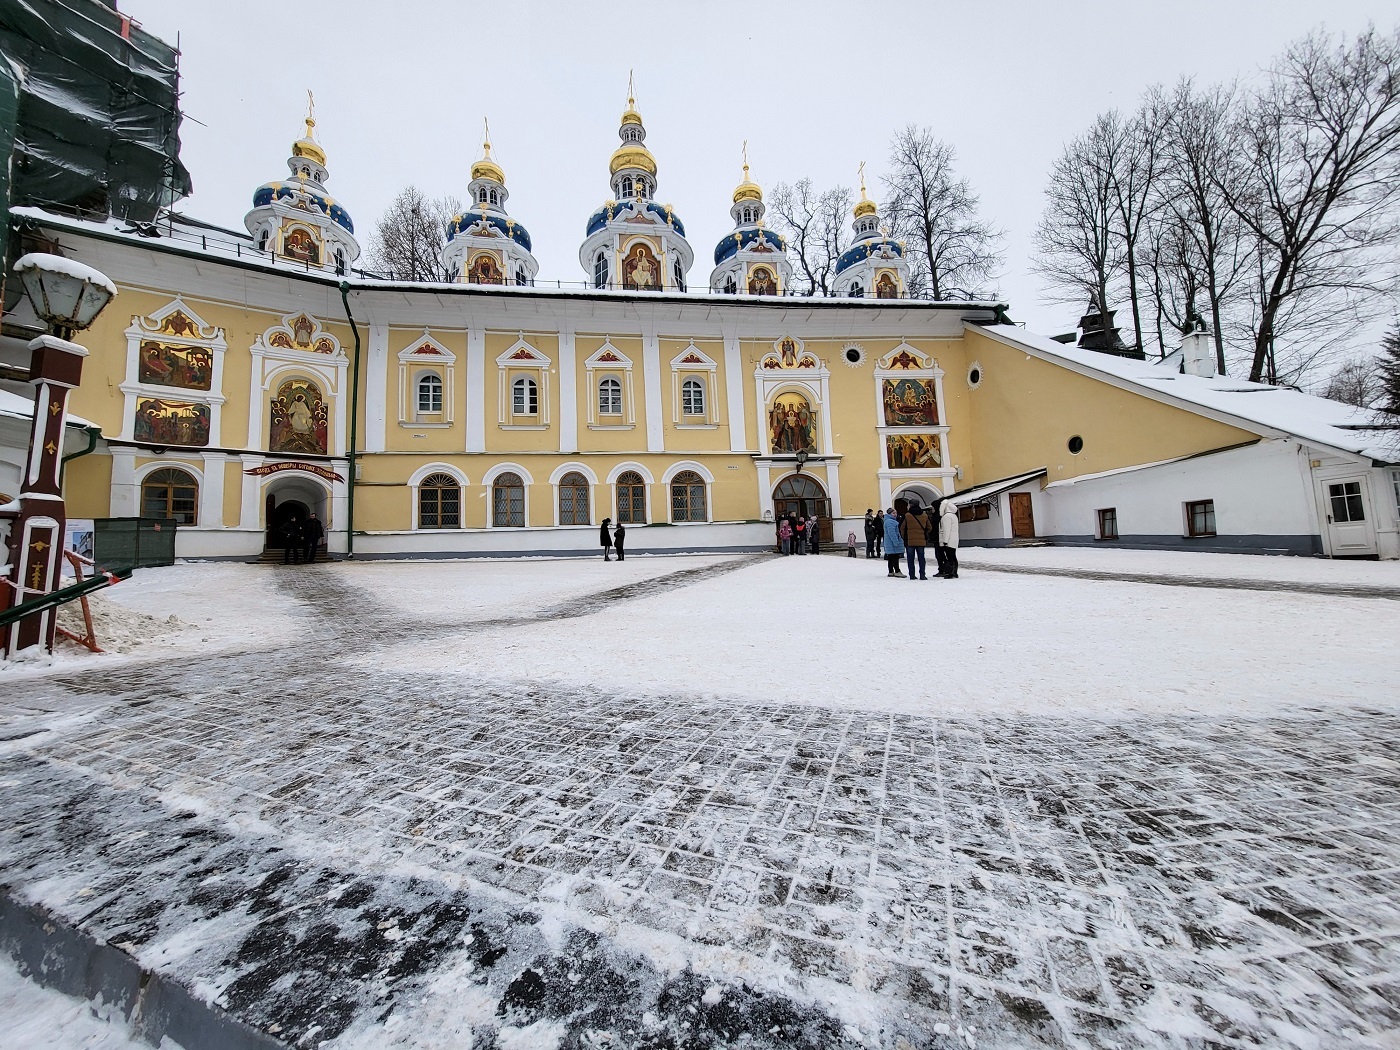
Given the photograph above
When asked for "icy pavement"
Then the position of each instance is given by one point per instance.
(38, 1019)
(342, 846)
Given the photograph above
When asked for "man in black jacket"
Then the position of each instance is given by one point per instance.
(312, 532)
(869, 533)
(605, 539)
(291, 542)
(619, 535)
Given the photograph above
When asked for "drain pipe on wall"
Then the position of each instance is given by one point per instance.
(354, 425)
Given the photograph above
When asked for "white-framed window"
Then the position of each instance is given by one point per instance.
(693, 397)
(508, 501)
(600, 270)
(573, 499)
(1395, 481)
(429, 394)
(731, 286)
(520, 278)
(610, 396)
(688, 497)
(170, 493)
(626, 187)
(631, 498)
(857, 291)
(679, 275)
(524, 397)
(439, 502)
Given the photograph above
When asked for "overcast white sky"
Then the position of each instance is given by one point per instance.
(815, 87)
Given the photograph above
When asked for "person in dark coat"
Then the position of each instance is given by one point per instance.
(814, 536)
(879, 534)
(870, 526)
(799, 534)
(312, 532)
(605, 539)
(619, 535)
(291, 542)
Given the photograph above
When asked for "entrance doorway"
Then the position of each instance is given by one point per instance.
(803, 495)
(292, 499)
(1350, 532)
(278, 514)
(1022, 519)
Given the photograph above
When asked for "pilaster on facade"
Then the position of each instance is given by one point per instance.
(377, 388)
(734, 392)
(126, 492)
(475, 408)
(568, 392)
(651, 382)
(211, 492)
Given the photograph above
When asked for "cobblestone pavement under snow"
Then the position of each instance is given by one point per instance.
(372, 858)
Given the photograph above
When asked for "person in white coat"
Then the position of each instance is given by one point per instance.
(948, 539)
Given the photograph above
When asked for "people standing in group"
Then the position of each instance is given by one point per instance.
(894, 545)
(814, 536)
(870, 526)
(879, 534)
(605, 539)
(918, 531)
(311, 537)
(619, 538)
(948, 539)
(291, 542)
(799, 534)
(785, 536)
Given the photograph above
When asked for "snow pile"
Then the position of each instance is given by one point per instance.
(118, 629)
(41, 1019)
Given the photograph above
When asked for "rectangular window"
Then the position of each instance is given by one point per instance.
(1200, 518)
(1345, 497)
(975, 512)
(1395, 480)
(1108, 523)
(525, 399)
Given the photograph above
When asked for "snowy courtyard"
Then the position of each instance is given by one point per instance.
(1075, 798)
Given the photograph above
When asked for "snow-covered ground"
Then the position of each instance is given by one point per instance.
(689, 801)
(35, 1018)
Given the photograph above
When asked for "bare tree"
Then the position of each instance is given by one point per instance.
(1355, 383)
(1131, 155)
(817, 230)
(1315, 180)
(1078, 253)
(408, 240)
(936, 213)
(1198, 128)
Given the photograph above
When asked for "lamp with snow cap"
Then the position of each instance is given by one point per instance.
(67, 296)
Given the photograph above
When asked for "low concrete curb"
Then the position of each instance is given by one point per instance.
(54, 954)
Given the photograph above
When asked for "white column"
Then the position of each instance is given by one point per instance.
(250, 509)
(734, 388)
(211, 495)
(651, 379)
(765, 488)
(376, 388)
(568, 394)
(833, 486)
(126, 494)
(475, 408)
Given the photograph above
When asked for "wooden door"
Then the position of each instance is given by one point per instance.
(1022, 520)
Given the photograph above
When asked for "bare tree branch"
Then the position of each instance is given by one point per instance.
(408, 240)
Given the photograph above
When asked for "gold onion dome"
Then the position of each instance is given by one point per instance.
(630, 114)
(748, 190)
(632, 155)
(486, 168)
(306, 146)
(865, 206)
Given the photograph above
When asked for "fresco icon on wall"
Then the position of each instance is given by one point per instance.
(640, 271)
(485, 270)
(299, 419)
(910, 403)
(161, 422)
(301, 245)
(914, 451)
(792, 426)
(187, 367)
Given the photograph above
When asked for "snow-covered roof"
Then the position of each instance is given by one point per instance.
(1266, 410)
(16, 406)
(994, 488)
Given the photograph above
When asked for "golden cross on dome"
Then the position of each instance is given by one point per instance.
(861, 170)
(486, 136)
(310, 112)
(631, 95)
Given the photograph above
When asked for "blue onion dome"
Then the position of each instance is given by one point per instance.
(325, 204)
(864, 250)
(740, 239)
(610, 210)
(508, 227)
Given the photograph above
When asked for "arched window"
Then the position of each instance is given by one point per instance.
(731, 286)
(495, 199)
(520, 277)
(679, 275)
(625, 189)
(692, 397)
(439, 502)
(525, 397)
(262, 241)
(688, 497)
(610, 397)
(170, 493)
(573, 499)
(340, 262)
(631, 498)
(508, 501)
(429, 393)
(481, 195)
(600, 270)
(856, 292)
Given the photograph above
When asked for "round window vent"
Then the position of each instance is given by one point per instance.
(854, 354)
(1076, 445)
(974, 375)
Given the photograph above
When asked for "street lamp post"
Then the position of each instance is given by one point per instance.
(67, 296)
